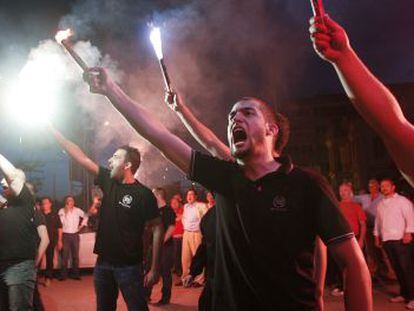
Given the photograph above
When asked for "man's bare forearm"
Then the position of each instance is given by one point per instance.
(75, 151)
(7, 168)
(380, 109)
(358, 290)
(157, 241)
(204, 136)
(358, 295)
(44, 242)
(151, 129)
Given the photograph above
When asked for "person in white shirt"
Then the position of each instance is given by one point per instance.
(394, 226)
(378, 263)
(73, 220)
(193, 212)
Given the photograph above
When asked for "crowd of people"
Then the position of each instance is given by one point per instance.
(258, 244)
(382, 221)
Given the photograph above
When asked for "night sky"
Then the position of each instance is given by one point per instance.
(217, 51)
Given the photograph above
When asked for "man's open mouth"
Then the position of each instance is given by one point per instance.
(239, 135)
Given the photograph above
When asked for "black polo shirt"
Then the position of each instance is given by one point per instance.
(266, 232)
(53, 224)
(125, 210)
(168, 219)
(18, 234)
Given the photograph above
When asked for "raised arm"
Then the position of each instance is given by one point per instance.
(74, 151)
(141, 119)
(204, 136)
(15, 178)
(369, 96)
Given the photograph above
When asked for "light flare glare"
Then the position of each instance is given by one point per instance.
(155, 37)
(32, 98)
(63, 35)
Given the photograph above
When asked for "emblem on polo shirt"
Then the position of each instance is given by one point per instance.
(279, 204)
(126, 201)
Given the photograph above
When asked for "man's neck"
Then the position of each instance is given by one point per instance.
(128, 179)
(389, 195)
(258, 166)
(374, 195)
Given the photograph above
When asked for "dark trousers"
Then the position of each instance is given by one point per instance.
(401, 259)
(206, 297)
(109, 279)
(70, 248)
(50, 254)
(37, 300)
(167, 262)
(178, 244)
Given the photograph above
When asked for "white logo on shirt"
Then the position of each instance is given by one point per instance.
(126, 201)
(279, 204)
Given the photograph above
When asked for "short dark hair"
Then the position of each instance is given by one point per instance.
(67, 197)
(271, 115)
(47, 198)
(161, 192)
(388, 179)
(193, 190)
(133, 156)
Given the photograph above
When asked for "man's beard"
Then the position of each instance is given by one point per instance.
(240, 154)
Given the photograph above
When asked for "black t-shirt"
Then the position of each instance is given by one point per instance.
(266, 233)
(125, 210)
(168, 219)
(18, 235)
(53, 223)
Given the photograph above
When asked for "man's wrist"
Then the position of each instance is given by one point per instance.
(347, 55)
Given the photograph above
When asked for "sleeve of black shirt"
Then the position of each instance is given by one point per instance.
(39, 219)
(150, 208)
(199, 260)
(212, 173)
(170, 217)
(25, 198)
(331, 225)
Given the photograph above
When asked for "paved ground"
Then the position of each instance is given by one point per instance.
(73, 295)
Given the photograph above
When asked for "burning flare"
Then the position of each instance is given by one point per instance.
(62, 38)
(63, 35)
(155, 38)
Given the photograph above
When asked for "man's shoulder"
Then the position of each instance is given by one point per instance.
(402, 199)
(201, 204)
(307, 176)
(142, 189)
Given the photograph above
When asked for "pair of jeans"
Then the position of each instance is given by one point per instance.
(401, 258)
(70, 243)
(17, 284)
(110, 278)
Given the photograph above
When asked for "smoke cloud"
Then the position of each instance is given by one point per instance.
(216, 52)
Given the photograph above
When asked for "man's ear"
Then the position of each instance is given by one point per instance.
(127, 165)
(272, 129)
